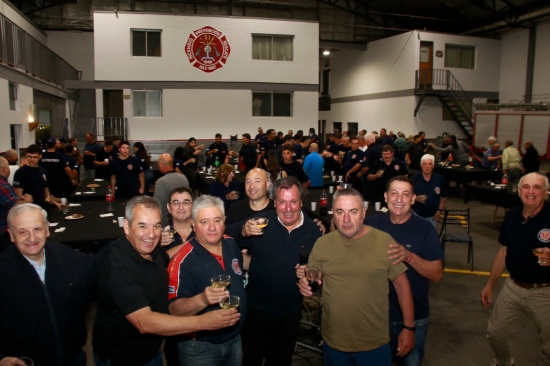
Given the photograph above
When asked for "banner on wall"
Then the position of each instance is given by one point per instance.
(207, 49)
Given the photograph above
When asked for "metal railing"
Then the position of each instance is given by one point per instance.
(20, 50)
(110, 127)
(440, 79)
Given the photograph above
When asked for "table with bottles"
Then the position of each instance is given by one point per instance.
(84, 193)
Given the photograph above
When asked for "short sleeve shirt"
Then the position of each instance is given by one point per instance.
(104, 171)
(93, 148)
(352, 158)
(249, 154)
(127, 176)
(267, 145)
(55, 164)
(435, 189)
(223, 150)
(33, 181)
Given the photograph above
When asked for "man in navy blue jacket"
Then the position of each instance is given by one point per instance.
(42, 312)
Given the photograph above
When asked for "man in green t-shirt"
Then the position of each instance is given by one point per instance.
(356, 271)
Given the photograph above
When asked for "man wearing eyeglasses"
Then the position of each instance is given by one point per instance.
(31, 179)
(167, 183)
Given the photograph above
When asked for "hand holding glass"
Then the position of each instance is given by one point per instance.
(543, 254)
(261, 223)
(222, 281)
(230, 302)
(312, 276)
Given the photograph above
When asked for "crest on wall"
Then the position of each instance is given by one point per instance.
(207, 49)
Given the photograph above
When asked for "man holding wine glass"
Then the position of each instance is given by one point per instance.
(202, 275)
(526, 293)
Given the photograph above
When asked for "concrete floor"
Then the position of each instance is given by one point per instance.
(457, 333)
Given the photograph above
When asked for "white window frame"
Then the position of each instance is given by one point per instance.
(272, 48)
(272, 103)
(146, 96)
(132, 30)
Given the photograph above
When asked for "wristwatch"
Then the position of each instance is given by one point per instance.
(412, 329)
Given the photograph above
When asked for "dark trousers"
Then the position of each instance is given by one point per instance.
(272, 337)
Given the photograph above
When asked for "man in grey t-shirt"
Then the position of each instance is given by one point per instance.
(169, 181)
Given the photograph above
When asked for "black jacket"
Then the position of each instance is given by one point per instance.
(45, 321)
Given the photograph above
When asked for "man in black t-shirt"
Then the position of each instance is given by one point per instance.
(383, 170)
(293, 168)
(73, 165)
(127, 171)
(267, 144)
(218, 150)
(102, 160)
(333, 154)
(248, 154)
(526, 293)
(415, 150)
(90, 150)
(352, 164)
(32, 179)
(59, 173)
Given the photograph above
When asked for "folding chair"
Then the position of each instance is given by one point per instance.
(233, 139)
(458, 232)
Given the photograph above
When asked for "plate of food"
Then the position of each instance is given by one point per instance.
(326, 176)
(93, 185)
(456, 165)
(75, 216)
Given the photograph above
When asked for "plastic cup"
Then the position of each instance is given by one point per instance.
(203, 168)
(332, 173)
(334, 178)
(331, 189)
(340, 178)
(64, 201)
(377, 206)
(120, 221)
(366, 204)
(236, 167)
(313, 206)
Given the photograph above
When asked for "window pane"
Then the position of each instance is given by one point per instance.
(12, 91)
(153, 44)
(282, 104)
(138, 43)
(153, 103)
(261, 47)
(261, 104)
(282, 48)
(139, 104)
(467, 57)
(452, 56)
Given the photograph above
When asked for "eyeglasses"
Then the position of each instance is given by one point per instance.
(178, 203)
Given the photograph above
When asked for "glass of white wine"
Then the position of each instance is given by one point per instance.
(261, 223)
(230, 302)
(543, 254)
(221, 281)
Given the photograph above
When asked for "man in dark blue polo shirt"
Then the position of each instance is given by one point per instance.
(58, 171)
(383, 170)
(353, 162)
(333, 153)
(218, 150)
(248, 154)
(90, 150)
(190, 291)
(274, 302)
(431, 190)
(260, 136)
(103, 159)
(267, 144)
(126, 173)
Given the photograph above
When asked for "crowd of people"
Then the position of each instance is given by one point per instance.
(156, 282)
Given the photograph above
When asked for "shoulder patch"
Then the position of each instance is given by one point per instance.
(235, 266)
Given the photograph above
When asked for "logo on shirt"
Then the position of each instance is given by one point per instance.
(353, 156)
(236, 267)
(437, 190)
(544, 235)
(396, 167)
(207, 49)
(44, 176)
(130, 167)
(171, 290)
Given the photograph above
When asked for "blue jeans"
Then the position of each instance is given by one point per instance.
(414, 358)
(156, 361)
(199, 353)
(380, 356)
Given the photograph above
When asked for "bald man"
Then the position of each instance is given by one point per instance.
(169, 181)
(256, 186)
(11, 156)
(313, 166)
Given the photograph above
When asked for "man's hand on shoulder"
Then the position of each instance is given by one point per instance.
(322, 227)
(398, 253)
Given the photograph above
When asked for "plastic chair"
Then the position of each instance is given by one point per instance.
(456, 229)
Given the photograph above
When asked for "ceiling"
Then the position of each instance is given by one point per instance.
(341, 21)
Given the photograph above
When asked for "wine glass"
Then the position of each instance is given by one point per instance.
(221, 281)
(312, 276)
(261, 223)
(230, 302)
(543, 254)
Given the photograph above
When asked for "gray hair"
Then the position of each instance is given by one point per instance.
(492, 138)
(369, 137)
(147, 201)
(347, 192)
(287, 183)
(427, 157)
(545, 178)
(206, 201)
(22, 207)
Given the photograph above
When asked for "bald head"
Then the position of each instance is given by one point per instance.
(165, 163)
(4, 168)
(313, 147)
(256, 185)
(11, 156)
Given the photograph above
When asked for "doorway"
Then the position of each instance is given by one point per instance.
(337, 126)
(113, 105)
(425, 69)
(353, 128)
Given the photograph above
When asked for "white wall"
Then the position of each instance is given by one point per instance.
(23, 23)
(76, 48)
(485, 76)
(541, 79)
(513, 67)
(113, 60)
(202, 113)
(18, 117)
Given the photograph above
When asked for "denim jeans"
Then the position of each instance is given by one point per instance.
(199, 353)
(414, 358)
(380, 356)
(156, 361)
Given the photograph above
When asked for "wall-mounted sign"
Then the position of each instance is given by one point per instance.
(126, 96)
(438, 53)
(207, 49)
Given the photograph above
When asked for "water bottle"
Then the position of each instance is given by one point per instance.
(110, 197)
(323, 203)
(217, 163)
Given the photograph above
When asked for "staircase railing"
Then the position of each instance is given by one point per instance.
(110, 127)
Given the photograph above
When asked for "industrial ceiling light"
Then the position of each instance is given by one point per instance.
(326, 52)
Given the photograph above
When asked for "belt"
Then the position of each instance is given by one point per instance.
(531, 285)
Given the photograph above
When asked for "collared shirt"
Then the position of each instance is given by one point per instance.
(490, 153)
(511, 158)
(297, 226)
(8, 199)
(40, 269)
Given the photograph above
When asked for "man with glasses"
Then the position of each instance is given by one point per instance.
(167, 183)
(32, 179)
(180, 226)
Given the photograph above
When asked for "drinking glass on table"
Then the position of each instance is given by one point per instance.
(221, 281)
(543, 254)
(261, 223)
(312, 276)
(64, 206)
(230, 302)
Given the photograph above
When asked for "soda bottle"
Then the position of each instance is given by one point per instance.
(110, 197)
(217, 163)
(504, 179)
(323, 203)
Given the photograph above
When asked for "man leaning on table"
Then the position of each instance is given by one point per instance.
(132, 312)
(356, 271)
(526, 293)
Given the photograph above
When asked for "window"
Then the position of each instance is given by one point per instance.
(272, 47)
(147, 103)
(463, 57)
(146, 42)
(271, 104)
(12, 91)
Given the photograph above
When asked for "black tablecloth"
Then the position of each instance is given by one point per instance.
(92, 231)
(463, 175)
(491, 195)
(98, 194)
